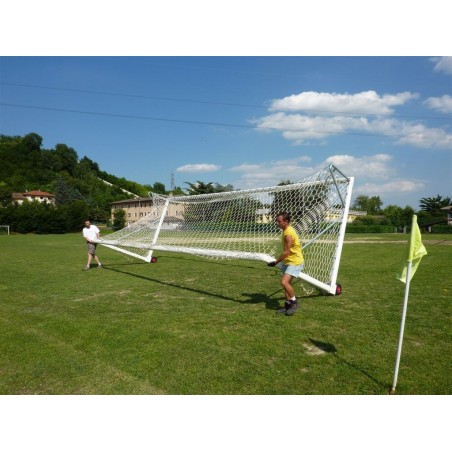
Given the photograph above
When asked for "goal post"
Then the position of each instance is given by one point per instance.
(241, 225)
(4, 229)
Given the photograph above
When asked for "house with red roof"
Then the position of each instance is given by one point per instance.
(35, 195)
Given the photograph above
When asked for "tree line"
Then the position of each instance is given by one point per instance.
(430, 216)
(81, 192)
(78, 185)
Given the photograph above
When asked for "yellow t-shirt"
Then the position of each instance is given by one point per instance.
(296, 256)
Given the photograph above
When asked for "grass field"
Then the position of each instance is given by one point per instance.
(188, 325)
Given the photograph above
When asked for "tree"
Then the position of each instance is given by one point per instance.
(119, 219)
(65, 193)
(32, 142)
(90, 164)
(5, 194)
(431, 212)
(218, 188)
(398, 216)
(178, 191)
(203, 188)
(434, 204)
(76, 214)
(370, 205)
(66, 158)
(159, 187)
(200, 188)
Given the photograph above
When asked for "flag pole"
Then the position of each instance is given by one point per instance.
(414, 228)
(402, 328)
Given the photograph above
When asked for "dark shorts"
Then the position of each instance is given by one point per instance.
(91, 248)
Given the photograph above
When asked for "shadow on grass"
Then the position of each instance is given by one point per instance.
(326, 347)
(124, 264)
(213, 261)
(270, 301)
(256, 298)
(253, 298)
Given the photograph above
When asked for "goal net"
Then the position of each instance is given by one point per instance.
(241, 225)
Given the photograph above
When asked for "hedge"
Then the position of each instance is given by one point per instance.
(371, 229)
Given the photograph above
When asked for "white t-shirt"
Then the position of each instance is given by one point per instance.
(91, 232)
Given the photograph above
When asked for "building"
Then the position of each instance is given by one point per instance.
(264, 215)
(138, 208)
(36, 195)
(335, 215)
(448, 209)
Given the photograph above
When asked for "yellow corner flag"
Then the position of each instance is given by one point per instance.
(415, 251)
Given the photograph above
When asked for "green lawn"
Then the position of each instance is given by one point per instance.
(188, 325)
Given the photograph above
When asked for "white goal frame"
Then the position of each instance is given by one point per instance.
(5, 226)
(190, 224)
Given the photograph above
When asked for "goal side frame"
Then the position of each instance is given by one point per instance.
(331, 288)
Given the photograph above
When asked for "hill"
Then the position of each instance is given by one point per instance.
(27, 166)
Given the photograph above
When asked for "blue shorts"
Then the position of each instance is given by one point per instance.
(292, 270)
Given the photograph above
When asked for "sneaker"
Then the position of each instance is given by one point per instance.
(86, 267)
(99, 265)
(293, 306)
(283, 309)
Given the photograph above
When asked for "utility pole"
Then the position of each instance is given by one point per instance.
(172, 184)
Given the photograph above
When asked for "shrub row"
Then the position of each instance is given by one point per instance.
(41, 218)
(371, 229)
(441, 229)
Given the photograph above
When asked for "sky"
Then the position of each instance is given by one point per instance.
(245, 121)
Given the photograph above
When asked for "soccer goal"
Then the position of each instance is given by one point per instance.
(4, 229)
(241, 225)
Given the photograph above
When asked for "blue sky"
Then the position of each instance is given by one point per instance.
(245, 121)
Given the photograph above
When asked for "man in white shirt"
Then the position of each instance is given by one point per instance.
(90, 234)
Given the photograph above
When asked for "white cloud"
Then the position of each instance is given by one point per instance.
(303, 129)
(198, 168)
(442, 104)
(369, 167)
(332, 115)
(443, 64)
(366, 102)
(268, 174)
(396, 186)
(375, 175)
(421, 136)
(294, 161)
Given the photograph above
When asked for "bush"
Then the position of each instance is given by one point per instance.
(441, 229)
(370, 229)
(119, 219)
(40, 218)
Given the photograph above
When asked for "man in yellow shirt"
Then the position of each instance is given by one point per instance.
(291, 262)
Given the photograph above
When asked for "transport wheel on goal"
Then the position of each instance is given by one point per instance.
(338, 290)
(153, 260)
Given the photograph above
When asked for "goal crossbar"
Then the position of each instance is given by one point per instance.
(241, 225)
